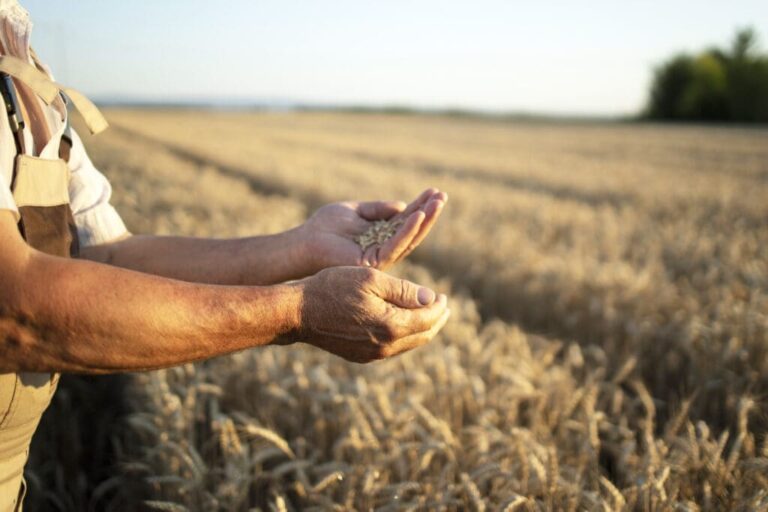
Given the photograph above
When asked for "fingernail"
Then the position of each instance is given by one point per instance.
(425, 296)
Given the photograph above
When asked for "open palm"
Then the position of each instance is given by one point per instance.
(333, 228)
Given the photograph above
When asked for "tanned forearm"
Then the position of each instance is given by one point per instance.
(259, 260)
(78, 316)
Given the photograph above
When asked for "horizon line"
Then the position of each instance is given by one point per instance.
(288, 105)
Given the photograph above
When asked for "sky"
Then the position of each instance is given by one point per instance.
(548, 57)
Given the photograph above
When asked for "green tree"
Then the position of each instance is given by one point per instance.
(706, 94)
(716, 85)
(747, 79)
(671, 81)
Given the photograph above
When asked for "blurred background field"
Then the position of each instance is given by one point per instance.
(607, 348)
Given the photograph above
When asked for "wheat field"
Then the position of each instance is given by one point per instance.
(608, 348)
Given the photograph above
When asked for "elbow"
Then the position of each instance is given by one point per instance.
(20, 334)
(18, 338)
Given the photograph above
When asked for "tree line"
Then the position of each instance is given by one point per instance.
(720, 85)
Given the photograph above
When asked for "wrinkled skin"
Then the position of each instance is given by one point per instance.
(363, 315)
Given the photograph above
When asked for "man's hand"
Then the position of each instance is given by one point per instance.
(362, 314)
(331, 231)
(327, 239)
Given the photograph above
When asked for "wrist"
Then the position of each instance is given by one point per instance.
(307, 250)
(272, 259)
(290, 300)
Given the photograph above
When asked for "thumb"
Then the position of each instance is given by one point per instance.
(405, 294)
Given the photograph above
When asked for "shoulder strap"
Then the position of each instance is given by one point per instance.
(60, 103)
(31, 76)
(47, 89)
(91, 115)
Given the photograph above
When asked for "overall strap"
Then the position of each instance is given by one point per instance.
(49, 227)
(47, 89)
(65, 144)
(91, 115)
(15, 118)
(31, 76)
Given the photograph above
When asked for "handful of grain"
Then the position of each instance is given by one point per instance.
(379, 232)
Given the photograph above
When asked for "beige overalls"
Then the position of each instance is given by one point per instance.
(41, 191)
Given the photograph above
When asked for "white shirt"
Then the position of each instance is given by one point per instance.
(89, 191)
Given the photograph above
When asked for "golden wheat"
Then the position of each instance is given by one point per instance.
(607, 350)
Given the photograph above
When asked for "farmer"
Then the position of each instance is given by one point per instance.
(79, 293)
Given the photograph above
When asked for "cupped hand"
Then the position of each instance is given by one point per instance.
(333, 228)
(363, 315)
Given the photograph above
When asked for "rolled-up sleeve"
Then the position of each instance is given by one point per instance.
(89, 193)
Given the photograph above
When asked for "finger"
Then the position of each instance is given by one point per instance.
(401, 322)
(371, 256)
(401, 292)
(392, 248)
(416, 340)
(378, 210)
(405, 322)
(417, 203)
(432, 211)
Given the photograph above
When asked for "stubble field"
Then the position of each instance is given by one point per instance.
(608, 347)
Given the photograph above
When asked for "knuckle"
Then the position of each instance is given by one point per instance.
(404, 289)
(367, 275)
(388, 333)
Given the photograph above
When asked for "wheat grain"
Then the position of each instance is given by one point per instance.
(378, 232)
(332, 478)
(268, 435)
